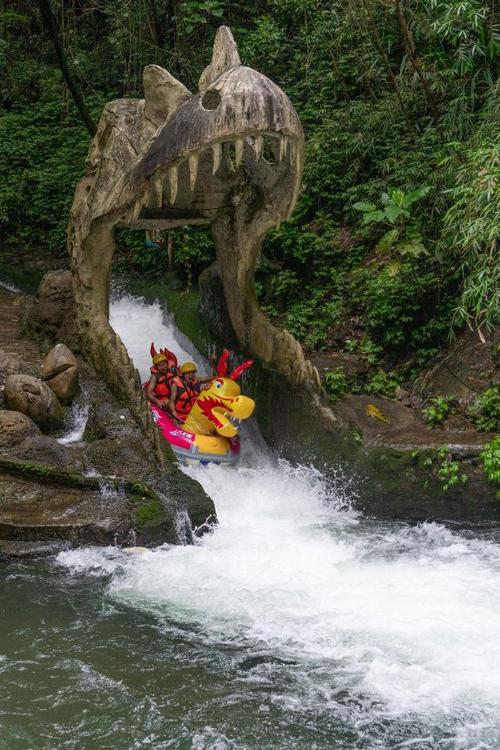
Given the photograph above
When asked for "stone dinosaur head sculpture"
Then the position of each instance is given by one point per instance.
(177, 158)
(230, 156)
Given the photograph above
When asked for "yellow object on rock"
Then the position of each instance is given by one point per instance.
(375, 413)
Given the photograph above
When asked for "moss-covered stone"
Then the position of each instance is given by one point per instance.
(149, 514)
(184, 305)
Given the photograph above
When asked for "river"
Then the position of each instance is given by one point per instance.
(298, 624)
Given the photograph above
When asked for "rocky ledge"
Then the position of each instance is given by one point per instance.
(74, 466)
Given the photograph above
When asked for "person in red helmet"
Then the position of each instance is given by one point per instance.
(163, 373)
(185, 390)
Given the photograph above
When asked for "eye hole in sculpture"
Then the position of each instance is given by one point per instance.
(211, 99)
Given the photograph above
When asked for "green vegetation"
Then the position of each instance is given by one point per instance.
(383, 383)
(393, 245)
(491, 460)
(150, 514)
(336, 384)
(485, 410)
(365, 346)
(446, 469)
(440, 408)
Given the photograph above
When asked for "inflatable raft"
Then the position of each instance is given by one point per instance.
(210, 432)
(189, 447)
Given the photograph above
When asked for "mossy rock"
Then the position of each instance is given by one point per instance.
(150, 514)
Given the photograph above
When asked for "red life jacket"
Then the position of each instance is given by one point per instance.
(163, 385)
(187, 393)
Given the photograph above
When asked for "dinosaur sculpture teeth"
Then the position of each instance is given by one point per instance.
(216, 152)
(219, 151)
(258, 146)
(193, 170)
(238, 148)
(283, 147)
(172, 178)
(157, 191)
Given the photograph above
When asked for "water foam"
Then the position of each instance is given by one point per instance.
(76, 422)
(139, 324)
(373, 621)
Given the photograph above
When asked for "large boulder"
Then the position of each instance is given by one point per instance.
(60, 372)
(51, 314)
(15, 427)
(34, 398)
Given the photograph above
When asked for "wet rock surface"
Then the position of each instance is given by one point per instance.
(463, 371)
(394, 425)
(104, 489)
(15, 427)
(213, 306)
(36, 506)
(388, 470)
(34, 398)
(42, 449)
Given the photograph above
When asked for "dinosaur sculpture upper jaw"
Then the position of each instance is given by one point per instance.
(240, 129)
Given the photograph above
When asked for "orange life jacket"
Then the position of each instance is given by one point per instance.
(187, 393)
(163, 385)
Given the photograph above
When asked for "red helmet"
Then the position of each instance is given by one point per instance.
(171, 358)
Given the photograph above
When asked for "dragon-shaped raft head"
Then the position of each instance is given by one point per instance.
(220, 404)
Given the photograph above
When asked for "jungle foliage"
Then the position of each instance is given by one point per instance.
(394, 239)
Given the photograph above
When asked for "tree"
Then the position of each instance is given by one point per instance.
(49, 23)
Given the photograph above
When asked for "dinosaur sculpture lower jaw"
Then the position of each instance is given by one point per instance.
(238, 244)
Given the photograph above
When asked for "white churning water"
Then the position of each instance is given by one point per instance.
(76, 422)
(405, 621)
